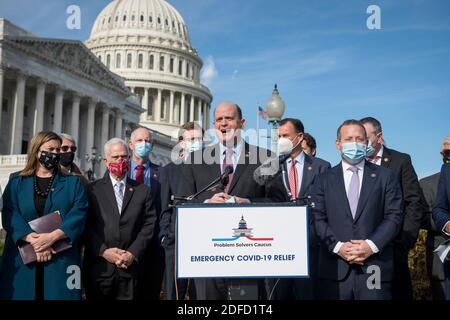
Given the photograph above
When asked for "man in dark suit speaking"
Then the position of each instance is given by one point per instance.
(119, 228)
(357, 214)
(204, 166)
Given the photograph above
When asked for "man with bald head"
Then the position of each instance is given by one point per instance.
(144, 171)
(206, 165)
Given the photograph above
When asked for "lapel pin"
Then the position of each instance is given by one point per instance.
(131, 189)
(386, 159)
(373, 175)
(309, 168)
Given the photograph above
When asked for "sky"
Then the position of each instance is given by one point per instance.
(328, 65)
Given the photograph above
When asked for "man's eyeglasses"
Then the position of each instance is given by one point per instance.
(67, 148)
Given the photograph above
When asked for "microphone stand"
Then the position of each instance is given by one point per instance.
(222, 179)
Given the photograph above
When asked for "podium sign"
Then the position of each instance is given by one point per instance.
(242, 241)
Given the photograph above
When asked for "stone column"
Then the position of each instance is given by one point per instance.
(171, 103)
(119, 122)
(105, 125)
(90, 129)
(1, 95)
(176, 112)
(176, 64)
(182, 109)
(145, 106)
(157, 109)
(75, 120)
(208, 116)
(199, 110)
(38, 124)
(58, 111)
(17, 119)
(192, 107)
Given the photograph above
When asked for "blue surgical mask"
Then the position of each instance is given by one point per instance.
(353, 152)
(194, 146)
(143, 149)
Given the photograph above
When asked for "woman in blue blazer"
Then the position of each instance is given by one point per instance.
(38, 190)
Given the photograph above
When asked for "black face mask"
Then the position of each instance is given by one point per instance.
(446, 156)
(66, 159)
(49, 160)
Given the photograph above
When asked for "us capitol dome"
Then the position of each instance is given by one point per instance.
(146, 42)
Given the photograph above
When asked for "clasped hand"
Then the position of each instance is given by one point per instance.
(121, 258)
(355, 251)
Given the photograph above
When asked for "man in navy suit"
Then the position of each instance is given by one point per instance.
(300, 172)
(358, 213)
(441, 216)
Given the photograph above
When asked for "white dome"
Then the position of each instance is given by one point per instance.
(153, 18)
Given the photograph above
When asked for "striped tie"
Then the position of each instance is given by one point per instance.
(118, 190)
(293, 180)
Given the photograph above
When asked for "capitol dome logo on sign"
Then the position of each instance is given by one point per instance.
(242, 231)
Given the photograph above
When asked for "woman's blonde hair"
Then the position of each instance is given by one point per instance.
(32, 160)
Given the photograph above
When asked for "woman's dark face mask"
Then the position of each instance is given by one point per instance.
(49, 160)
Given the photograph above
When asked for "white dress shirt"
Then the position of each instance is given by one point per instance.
(347, 178)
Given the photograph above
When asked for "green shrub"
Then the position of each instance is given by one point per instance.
(418, 268)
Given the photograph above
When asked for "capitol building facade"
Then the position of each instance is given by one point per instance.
(147, 43)
(138, 68)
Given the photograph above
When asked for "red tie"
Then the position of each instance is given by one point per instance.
(293, 180)
(140, 173)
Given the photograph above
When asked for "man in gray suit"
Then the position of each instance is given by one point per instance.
(434, 237)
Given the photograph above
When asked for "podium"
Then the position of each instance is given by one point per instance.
(248, 241)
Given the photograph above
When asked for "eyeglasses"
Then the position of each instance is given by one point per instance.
(67, 148)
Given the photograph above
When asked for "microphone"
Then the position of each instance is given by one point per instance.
(269, 169)
(222, 179)
(225, 177)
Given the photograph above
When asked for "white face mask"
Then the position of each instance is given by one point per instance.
(284, 146)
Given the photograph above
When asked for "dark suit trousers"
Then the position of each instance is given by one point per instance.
(401, 286)
(353, 287)
(115, 287)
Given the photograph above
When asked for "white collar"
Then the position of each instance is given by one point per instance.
(300, 159)
(114, 181)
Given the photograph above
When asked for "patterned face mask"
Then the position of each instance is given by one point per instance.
(49, 160)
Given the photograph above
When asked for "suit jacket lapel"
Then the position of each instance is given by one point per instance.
(129, 190)
(307, 175)
(368, 183)
(26, 205)
(241, 166)
(340, 188)
(108, 193)
(386, 157)
(57, 186)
